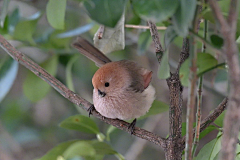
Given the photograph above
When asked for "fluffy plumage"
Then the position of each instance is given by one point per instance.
(121, 89)
(128, 95)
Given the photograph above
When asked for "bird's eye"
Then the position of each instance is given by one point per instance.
(106, 84)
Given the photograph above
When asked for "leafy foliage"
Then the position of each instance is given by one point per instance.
(206, 62)
(210, 150)
(157, 11)
(110, 12)
(56, 13)
(8, 73)
(184, 16)
(164, 68)
(80, 123)
(35, 88)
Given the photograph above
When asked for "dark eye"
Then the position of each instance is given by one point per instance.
(106, 84)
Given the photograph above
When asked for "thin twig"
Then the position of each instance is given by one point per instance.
(73, 97)
(199, 97)
(192, 87)
(198, 116)
(210, 118)
(184, 53)
(100, 31)
(142, 27)
(155, 37)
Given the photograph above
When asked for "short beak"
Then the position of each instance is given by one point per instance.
(102, 94)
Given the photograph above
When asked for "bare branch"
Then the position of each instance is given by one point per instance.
(156, 40)
(184, 53)
(73, 97)
(233, 14)
(210, 118)
(218, 15)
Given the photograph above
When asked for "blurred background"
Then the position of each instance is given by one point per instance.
(30, 110)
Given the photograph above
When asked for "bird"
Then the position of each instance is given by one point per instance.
(122, 89)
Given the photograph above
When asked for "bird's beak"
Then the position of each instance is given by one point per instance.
(102, 94)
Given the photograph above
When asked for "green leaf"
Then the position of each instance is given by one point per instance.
(109, 131)
(205, 62)
(156, 11)
(57, 151)
(144, 42)
(69, 80)
(207, 130)
(106, 12)
(238, 149)
(4, 29)
(216, 40)
(157, 107)
(217, 157)
(164, 69)
(184, 72)
(102, 148)
(80, 148)
(184, 128)
(80, 123)
(210, 150)
(56, 13)
(184, 16)
(4, 11)
(13, 20)
(220, 119)
(221, 76)
(8, 73)
(57, 42)
(113, 39)
(25, 29)
(169, 36)
(34, 87)
(101, 137)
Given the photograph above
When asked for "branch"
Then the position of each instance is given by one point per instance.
(173, 150)
(210, 118)
(217, 14)
(184, 53)
(233, 14)
(73, 97)
(192, 87)
(204, 41)
(232, 117)
(159, 50)
(142, 27)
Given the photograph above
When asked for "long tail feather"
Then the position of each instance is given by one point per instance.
(91, 52)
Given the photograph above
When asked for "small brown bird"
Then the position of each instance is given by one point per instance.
(122, 89)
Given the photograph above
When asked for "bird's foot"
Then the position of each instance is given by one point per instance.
(90, 110)
(132, 126)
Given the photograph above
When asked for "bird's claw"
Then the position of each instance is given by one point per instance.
(131, 127)
(90, 110)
